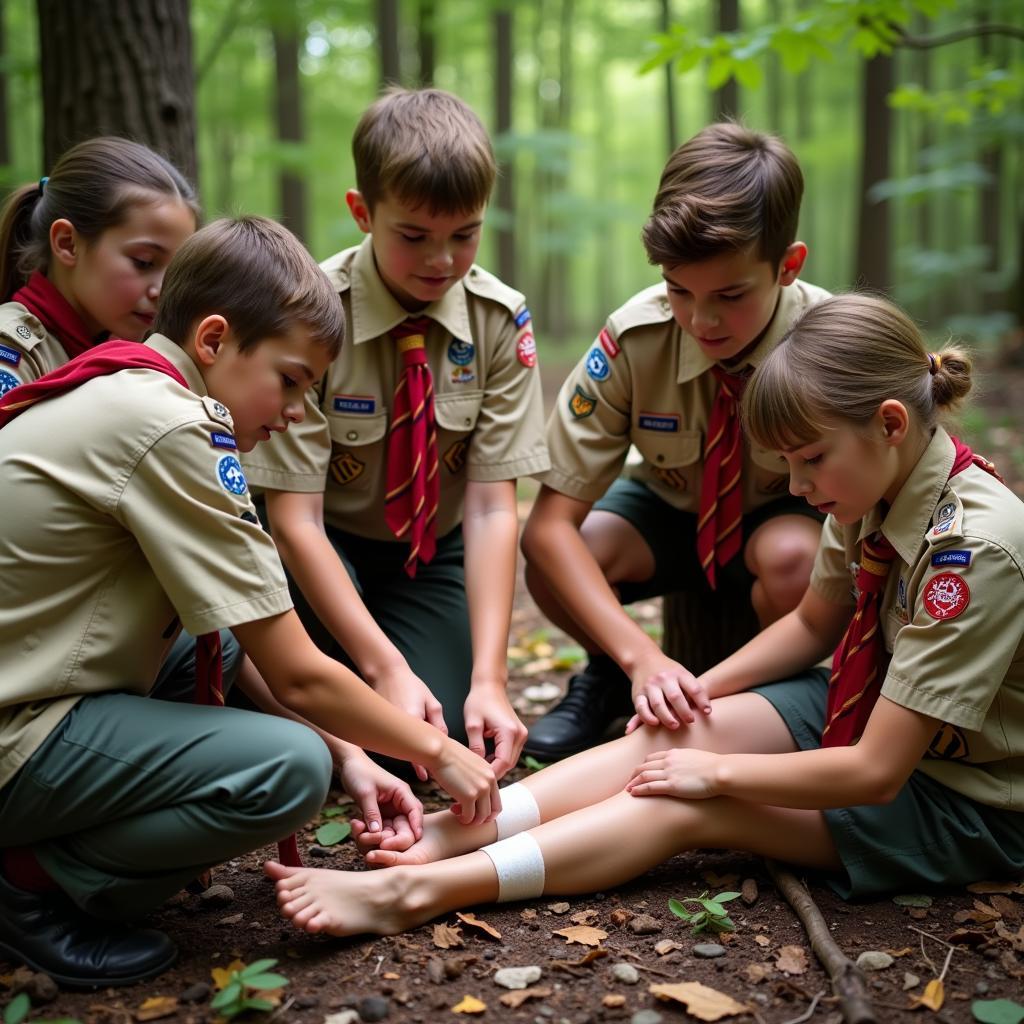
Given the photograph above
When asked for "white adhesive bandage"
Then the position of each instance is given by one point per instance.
(520, 867)
(519, 811)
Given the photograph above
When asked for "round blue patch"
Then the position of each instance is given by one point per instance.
(598, 367)
(7, 381)
(232, 479)
(461, 352)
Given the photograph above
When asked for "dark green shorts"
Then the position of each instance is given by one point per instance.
(929, 836)
(672, 536)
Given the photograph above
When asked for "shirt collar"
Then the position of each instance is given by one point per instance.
(182, 361)
(693, 362)
(375, 311)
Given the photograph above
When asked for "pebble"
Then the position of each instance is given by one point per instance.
(490, 954)
(644, 924)
(197, 993)
(874, 960)
(558, 908)
(910, 981)
(306, 1002)
(225, 922)
(320, 851)
(646, 1017)
(344, 1017)
(372, 1008)
(708, 950)
(626, 973)
(217, 896)
(981, 988)
(435, 970)
(748, 892)
(517, 977)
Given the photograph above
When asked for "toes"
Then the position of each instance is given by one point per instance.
(278, 872)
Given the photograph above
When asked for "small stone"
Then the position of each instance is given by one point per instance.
(40, 988)
(307, 1001)
(644, 924)
(217, 896)
(981, 988)
(344, 1017)
(621, 917)
(558, 908)
(517, 977)
(646, 1017)
(910, 981)
(435, 970)
(197, 993)
(874, 960)
(226, 922)
(320, 851)
(626, 973)
(708, 950)
(454, 966)
(372, 1008)
(490, 954)
(748, 892)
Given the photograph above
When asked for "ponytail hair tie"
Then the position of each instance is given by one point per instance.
(934, 363)
(42, 184)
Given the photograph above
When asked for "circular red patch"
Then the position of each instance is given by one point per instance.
(526, 349)
(946, 595)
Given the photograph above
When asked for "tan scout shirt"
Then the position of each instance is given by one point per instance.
(27, 349)
(953, 618)
(125, 510)
(646, 382)
(490, 426)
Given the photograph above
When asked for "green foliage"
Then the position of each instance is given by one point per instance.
(237, 996)
(706, 912)
(997, 1011)
(333, 832)
(989, 89)
(532, 763)
(17, 1009)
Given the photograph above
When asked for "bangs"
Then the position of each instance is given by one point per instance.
(781, 411)
(445, 186)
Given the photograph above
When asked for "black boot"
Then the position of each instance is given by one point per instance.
(50, 934)
(581, 719)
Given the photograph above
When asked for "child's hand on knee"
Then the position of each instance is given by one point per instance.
(665, 693)
(681, 772)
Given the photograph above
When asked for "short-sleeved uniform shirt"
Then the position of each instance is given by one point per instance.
(126, 513)
(953, 618)
(490, 424)
(645, 381)
(27, 349)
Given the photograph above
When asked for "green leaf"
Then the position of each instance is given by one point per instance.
(724, 897)
(333, 833)
(533, 764)
(997, 1011)
(678, 909)
(257, 1004)
(912, 901)
(262, 981)
(17, 1009)
(713, 909)
(256, 967)
(724, 924)
(227, 996)
(331, 812)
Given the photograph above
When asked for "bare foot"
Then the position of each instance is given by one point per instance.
(443, 836)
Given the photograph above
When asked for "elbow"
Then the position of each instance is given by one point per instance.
(878, 786)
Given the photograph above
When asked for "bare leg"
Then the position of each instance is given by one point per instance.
(780, 553)
(346, 903)
(742, 723)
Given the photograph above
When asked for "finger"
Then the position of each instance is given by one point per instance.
(475, 736)
(505, 753)
(662, 710)
(643, 709)
(697, 695)
(370, 810)
(435, 716)
(659, 788)
(421, 772)
(633, 724)
(680, 705)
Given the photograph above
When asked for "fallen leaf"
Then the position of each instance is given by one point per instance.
(997, 1011)
(590, 956)
(156, 1007)
(700, 1001)
(559, 908)
(933, 996)
(982, 913)
(584, 917)
(666, 946)
(792, 959)
(222, 975)
(1016, 939)
(758, 972)
(582, 934)
(469, 1004)
(1010, 909)
(474, 922)
(390, 976)
(748, 891)
(542, 649)
(528, 914)
(447, 937)
(613, 1000)
(620, 917)
(985, 888)
(905, 951)
(913, 900)
(762, 940)
(516, 999)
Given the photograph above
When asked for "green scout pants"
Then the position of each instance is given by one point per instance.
(131, 797)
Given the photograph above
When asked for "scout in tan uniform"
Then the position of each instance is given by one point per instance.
(888, 773)
(126, 513)
(665, 375)
(418, 598)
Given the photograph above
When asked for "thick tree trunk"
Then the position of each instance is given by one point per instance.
(503, 92)
(726, 101)
(873, 234)
(427, 41)
(387, 42)
(118, 67)
(292, 189)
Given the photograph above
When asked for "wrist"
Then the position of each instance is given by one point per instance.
(432, 746)
(632, 657)
(489, 680)
(721, 776)
(377, 669)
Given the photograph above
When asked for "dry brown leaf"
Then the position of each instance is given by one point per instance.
(1010, 909)
(700, 1001)
(447, 937)
(469, 1004)
(528, 915)
(666, 946)
(222, 975)
(1016, 939)
(517, 998)
(933, 996)
(583, 934)
(156, 1007)
(584, 917)
(390, 976)
(620, 917)
(985, 888)
(613, 1000)
(474, 922)
(762, 940)
(792, 959)
(968, 937)
(758, 972)
(589, 957)
(905, 951)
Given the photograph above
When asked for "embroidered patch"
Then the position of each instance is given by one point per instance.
(10, 355)
(608, 343)
(361, 404)
(946, 512)
(522, 317)
(951, 558)
(219, 440)
(345, 467)
(232, 479)
(7, 381)
(901, 593)
(23, 332)
(455, 457)
(671, 478)
(526, 349)
(581, 404)
(461, 352)
(220, 409)
(940, 528)
(598, 367)
(949, 743)
(946, 596)
(663, 422)
(460, 375)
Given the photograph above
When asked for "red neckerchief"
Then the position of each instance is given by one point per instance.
(42, 299)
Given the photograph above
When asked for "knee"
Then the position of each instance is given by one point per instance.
(785, 570)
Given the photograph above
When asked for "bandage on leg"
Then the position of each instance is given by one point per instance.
(519, 811)
(520, 867)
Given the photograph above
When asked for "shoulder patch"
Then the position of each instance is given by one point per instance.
(608, 343)
(9, 355)
(947, 520)
(961, 558)
(581, 404)
(229, 472)
(522, 317)
(946, 596)
(485, 285)
(526, 348)
(218, 411)
(219, 439)
(7, 382)
(598, 367)
(20, 326)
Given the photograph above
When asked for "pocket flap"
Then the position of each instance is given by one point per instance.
(667, 450)
(350, 430)
(458, 413)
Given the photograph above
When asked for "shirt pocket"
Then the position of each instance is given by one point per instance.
(674, 458)
(358, 450)
(456, 417)
(770, 472)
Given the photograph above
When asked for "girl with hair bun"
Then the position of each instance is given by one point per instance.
(83, 253)
(899, 767)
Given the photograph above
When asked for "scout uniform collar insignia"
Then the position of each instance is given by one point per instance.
(375, 311)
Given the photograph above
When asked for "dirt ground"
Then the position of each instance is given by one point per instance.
(973, 940)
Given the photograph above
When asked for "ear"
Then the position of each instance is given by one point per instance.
(895, 422)
(64, 242)
(208, 339)
(360, 210)
(792, 263)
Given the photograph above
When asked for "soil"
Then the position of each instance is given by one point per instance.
(976, 938)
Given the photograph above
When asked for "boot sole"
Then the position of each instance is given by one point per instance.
(66, 981)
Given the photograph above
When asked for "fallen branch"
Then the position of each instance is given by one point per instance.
(847, 980)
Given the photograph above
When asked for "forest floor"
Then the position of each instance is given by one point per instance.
(765, 971)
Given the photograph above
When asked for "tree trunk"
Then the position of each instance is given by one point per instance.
(5, 130)
(774, 78)
(503, 92)
(387, 42)
(873, 234)
(992, 161)
(671, 115)
(288, 112)
(118, 67)
(427, 41)
(727, 99)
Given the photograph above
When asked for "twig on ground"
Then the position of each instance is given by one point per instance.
(847, 980)
(809, 1012)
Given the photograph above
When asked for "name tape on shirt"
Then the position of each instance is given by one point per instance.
(663, 422)
(608, 343)
(364, 405)
(220, 440)
(951, 558)
(522, 317)
(10, 355)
